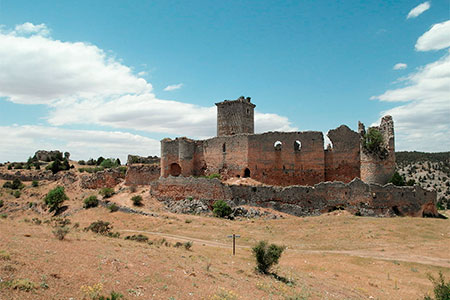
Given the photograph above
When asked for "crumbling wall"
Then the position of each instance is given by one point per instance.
(44, 155)
(287, 158)
(226, 155)
(357, 197)
(376, 168)
(142, 174)
(107, 178)
(342, 161)
(178, 157)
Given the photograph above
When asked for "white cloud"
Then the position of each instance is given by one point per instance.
(400, 66)
(418, 10)
(39, 70)
(173, 87)
(20, 142)
(29, 28)
(438, 37)
(423, 122)
(83, 85)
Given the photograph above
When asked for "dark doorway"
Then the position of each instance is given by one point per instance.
(175, 169)
(246, 173)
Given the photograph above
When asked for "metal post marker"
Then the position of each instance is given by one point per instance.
(234, 236)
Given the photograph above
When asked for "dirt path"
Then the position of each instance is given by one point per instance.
(426, 260)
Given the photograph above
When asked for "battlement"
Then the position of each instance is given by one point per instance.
(235, 116)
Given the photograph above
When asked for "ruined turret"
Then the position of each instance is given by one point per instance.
(377, 151)
(235, 116)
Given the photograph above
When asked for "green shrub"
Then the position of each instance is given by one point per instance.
(90, 201)
(109, 163)
(91, 162)
(137, 200)
(23, 285)
(373, 142)
(188, 245)
(441, 288)
(60, 232)
(1, 203)
(100, 227)
(55, 198)
(266, 255)
(17, 194)
(100, 160)
(397, 179)
(3, 216)
(81, 162)
(221, 209)
(112, 296)
(214, 175)
(113, 207)
(138, 238)
(34, 183)
(9, 167)
(16, 184)
(106, 192)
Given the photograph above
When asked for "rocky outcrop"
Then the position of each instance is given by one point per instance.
(136, 159)
(107, 178)
(141, 174)
(44, 155)
(356, 197)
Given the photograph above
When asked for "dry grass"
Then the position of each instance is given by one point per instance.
(333, 256)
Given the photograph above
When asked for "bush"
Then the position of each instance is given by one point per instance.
(35, 183)
(60, 232)
(91, 162)
(221, 209)
(138, 238)
(1, 203)
(90, 201)
(113, 207)
(397, 180)
(100, 227)
(16, 184)
(17, 194)
(9, 167)
(109, 163)
(373, 142)
(55, 198)
(81, 162)
(112, 296)
(100, 160)
(266, 255)
(441, 288)
(107, 192)
(137, 200)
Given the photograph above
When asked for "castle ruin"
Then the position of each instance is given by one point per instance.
(279, 158)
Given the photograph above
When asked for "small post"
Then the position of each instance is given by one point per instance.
(234, 236)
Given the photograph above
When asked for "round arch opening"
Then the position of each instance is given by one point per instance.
(175, 169)
(246, 173)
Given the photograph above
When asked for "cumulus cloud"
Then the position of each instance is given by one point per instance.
(438, 37)
(20, 142)
(39, 70)
(422, 122)
(173, 87)
(400, 66)
(418, 10)
(81, 84)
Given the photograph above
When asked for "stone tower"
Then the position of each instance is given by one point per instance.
(379, 167)
(235, 116)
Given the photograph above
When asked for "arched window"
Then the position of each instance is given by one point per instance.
(175, 169)
(246, 173)
(277, 145)
(297, 145)
(224, 148)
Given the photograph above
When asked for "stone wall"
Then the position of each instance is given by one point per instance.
(342, 160)
(142, 174)
(107, 178)
(356, 197)
(44, 155)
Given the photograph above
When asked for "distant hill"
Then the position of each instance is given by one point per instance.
(429, 170)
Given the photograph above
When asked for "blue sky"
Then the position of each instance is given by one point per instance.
(114, 77)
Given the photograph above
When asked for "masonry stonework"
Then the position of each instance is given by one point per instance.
(277, 158)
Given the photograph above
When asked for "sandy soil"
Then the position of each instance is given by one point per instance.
(333, 256)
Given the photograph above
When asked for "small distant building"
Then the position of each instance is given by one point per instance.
(279, 158)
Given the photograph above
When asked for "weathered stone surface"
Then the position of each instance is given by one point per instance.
(49, 155)
(356, 197)
(141, 174)
(107, 178)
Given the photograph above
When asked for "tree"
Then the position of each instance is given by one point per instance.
(100, 160)
(397, 180)
(266, 255)
(221, 209)
(55, 198)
